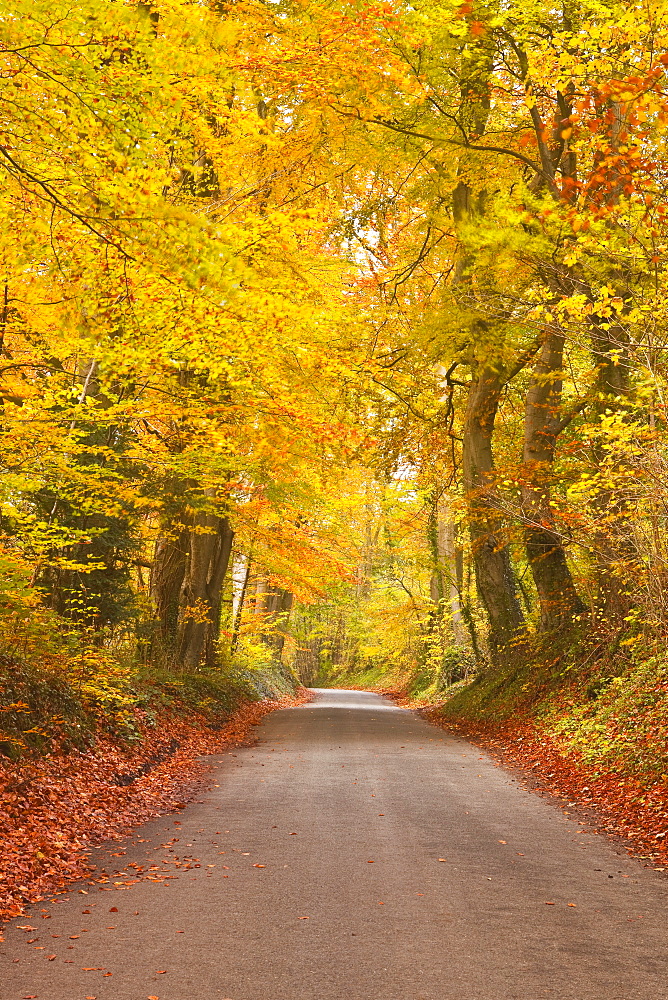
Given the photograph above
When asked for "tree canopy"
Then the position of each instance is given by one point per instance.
(331, 333)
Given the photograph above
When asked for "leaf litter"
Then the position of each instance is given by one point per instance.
(54, 808)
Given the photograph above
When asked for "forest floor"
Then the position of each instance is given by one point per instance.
(53, 808)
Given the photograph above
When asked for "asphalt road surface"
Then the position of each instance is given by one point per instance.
(354, 853)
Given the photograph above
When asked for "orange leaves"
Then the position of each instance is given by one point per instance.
(66, 803)
(630, 807)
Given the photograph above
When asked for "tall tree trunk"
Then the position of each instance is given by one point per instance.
(452, 559)
(559, 600)
(167, 575)
(437, 578)
(444, 585)
(210, 547)
(615, 551)
(491, 557)
(279, 605)
(243, 590)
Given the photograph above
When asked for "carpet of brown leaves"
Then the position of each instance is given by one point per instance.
(53, 808)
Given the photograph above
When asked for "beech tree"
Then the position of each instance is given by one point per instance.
(257, 255)
(518, 132)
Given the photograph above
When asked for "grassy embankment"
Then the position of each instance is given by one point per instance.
(61, 690)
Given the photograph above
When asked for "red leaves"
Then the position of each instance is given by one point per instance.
(55, 807)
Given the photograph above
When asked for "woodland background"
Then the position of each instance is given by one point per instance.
(333, 350)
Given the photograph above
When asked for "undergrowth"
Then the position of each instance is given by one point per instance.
(66, 694)
(601, 703)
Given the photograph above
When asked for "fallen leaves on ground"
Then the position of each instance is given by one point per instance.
(624, 805)
(53, 808)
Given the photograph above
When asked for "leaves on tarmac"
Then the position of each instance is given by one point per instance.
(53, 808)
(625, 804)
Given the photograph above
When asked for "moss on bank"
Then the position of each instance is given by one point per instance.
(605, 706)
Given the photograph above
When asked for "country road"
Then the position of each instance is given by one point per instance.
(354, 853)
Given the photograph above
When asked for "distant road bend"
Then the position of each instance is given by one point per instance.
(355, 853)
